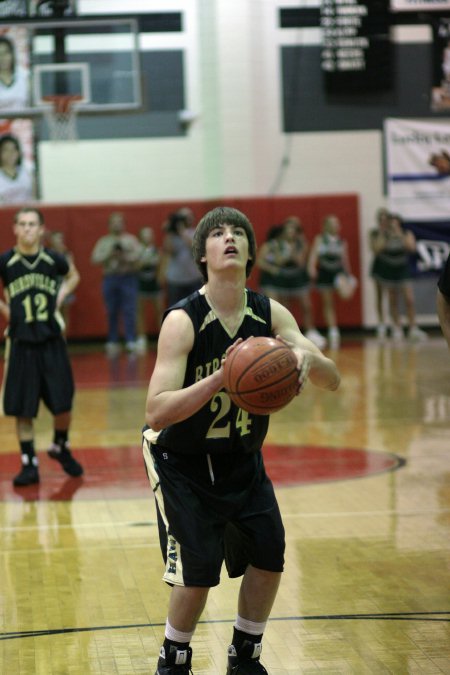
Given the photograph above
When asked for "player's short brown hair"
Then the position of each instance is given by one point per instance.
(30, 209)
(222, 215)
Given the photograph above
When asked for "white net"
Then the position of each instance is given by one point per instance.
(60, 114)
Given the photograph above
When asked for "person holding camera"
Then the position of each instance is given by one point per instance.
(119, 252)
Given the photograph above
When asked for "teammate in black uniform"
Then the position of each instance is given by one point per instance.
(203, 453)
(36, 361)
(443, 300)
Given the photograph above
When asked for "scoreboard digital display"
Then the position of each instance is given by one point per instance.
(356, 48)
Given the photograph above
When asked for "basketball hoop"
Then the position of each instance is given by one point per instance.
(60, 112)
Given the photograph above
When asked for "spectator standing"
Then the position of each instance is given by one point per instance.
(393, 250)
(328, 259)
(376, 238)
(38, 364)
(149, 288)
(119, 252)
(284, 277)
(268, 261)
(180, 271)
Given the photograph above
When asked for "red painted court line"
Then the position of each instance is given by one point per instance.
(302, 465)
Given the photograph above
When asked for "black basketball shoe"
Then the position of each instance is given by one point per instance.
(177, 662)
(65, 458)
(29, 475)
(246, 661)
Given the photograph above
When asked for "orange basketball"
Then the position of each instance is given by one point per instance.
(261, 375)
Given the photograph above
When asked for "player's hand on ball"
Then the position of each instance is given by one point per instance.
(304, 368)
(230, 349)
(303, 362)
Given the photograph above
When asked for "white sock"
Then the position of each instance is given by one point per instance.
(177, 635)
(250, 627)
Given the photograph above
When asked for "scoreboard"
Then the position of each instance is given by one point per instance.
(356, 52)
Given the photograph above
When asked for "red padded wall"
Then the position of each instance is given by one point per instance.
(83, 225)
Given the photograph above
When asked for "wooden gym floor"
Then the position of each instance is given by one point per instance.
(363, 480)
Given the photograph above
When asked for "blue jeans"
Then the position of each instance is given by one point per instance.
(120, 293)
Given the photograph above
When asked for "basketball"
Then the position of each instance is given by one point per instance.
(261, 375)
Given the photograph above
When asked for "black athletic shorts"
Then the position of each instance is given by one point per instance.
(35, 372)
(211, 509)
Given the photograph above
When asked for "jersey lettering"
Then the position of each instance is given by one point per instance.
(207, 369)
(32, 280)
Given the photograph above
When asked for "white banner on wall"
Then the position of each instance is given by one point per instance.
(418, 168)
(418, 178)
(415, 5)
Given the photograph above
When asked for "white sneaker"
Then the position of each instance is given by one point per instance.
(112, 349)
(130, 347)
(397, 333)
(381, 331)
(417, 335)
(315, 337)
(334, 338)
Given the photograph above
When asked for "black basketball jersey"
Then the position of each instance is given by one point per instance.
(31, 285)
(219, 426)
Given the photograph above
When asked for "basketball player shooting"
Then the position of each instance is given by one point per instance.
(203, 455)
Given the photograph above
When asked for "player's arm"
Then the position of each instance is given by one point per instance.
(69, 283)
(321, 370)
(167, 401)
(5, 310)
(443, 311)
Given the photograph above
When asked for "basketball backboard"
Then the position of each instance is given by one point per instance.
(95, 60)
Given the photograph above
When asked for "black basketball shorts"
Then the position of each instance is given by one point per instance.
(35, 372)
(211, 509)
